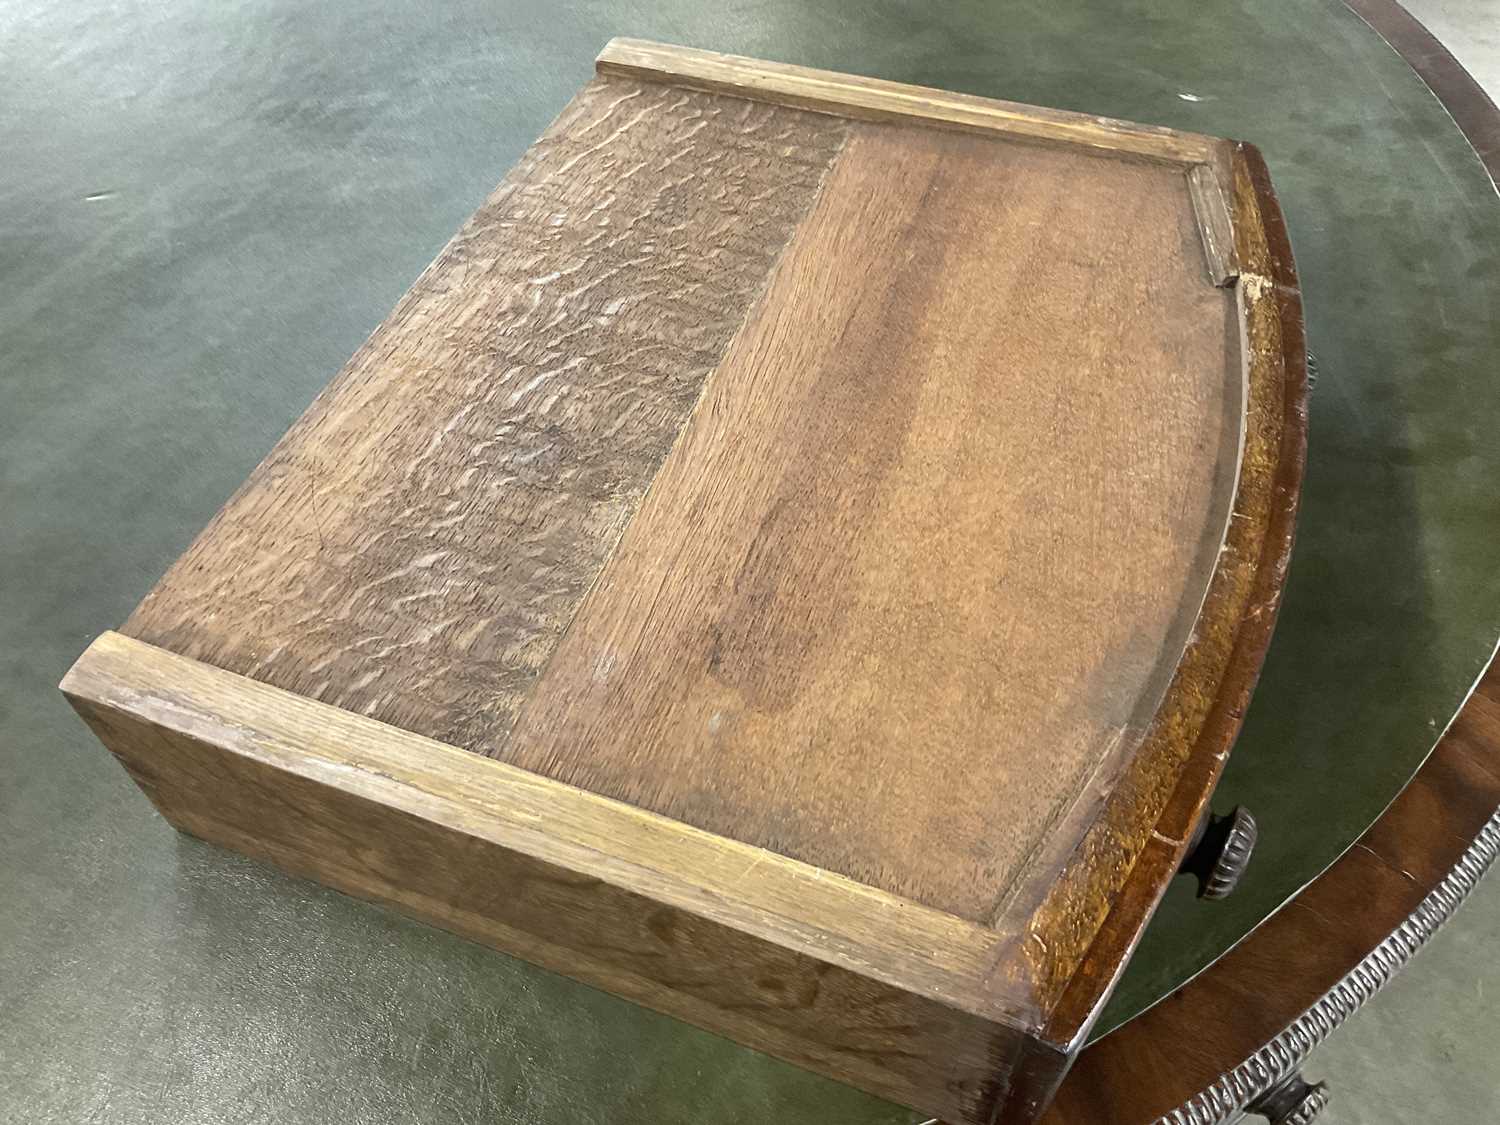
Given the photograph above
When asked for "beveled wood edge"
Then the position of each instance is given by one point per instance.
(1115, 879)
(776, 899)
(855, 96)
(1112, 1081)
(1205, 158)
(528, 867)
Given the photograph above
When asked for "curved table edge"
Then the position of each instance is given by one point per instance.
(1284, 1054)
(1471, 108)
(1242, 1025)
(1240, 609)
(1248, 1021)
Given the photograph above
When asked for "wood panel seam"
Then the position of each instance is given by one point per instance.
(703, 391)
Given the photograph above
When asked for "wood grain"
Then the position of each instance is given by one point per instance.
(1205, 158)
(927, 554)
(855, 96)
(1099, 899)
(825, 519)
(1163, 1058)
(1215, 225)
(786, 958)
(414, 546)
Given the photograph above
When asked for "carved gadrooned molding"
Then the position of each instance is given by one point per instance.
(1272, 1064)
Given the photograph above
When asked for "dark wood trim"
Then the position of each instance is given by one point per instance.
(1470, 107)
(1306, 958)
(1210, 1047)
(1259, 552)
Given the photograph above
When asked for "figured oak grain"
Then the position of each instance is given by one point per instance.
(414, 546)
(826, 511)
(930, 549)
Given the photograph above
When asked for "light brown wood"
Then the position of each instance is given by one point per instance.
(1205, 158)
(825, 519)
(415, 545)
(1091, 912)
(867, 616)
(850, 95)
(816, 969)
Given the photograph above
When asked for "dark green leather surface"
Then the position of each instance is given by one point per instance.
(205, 207)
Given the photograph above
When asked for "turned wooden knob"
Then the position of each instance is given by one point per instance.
(1220, 852)
(1292, 1101)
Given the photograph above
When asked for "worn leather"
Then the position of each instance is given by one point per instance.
(205, 207)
